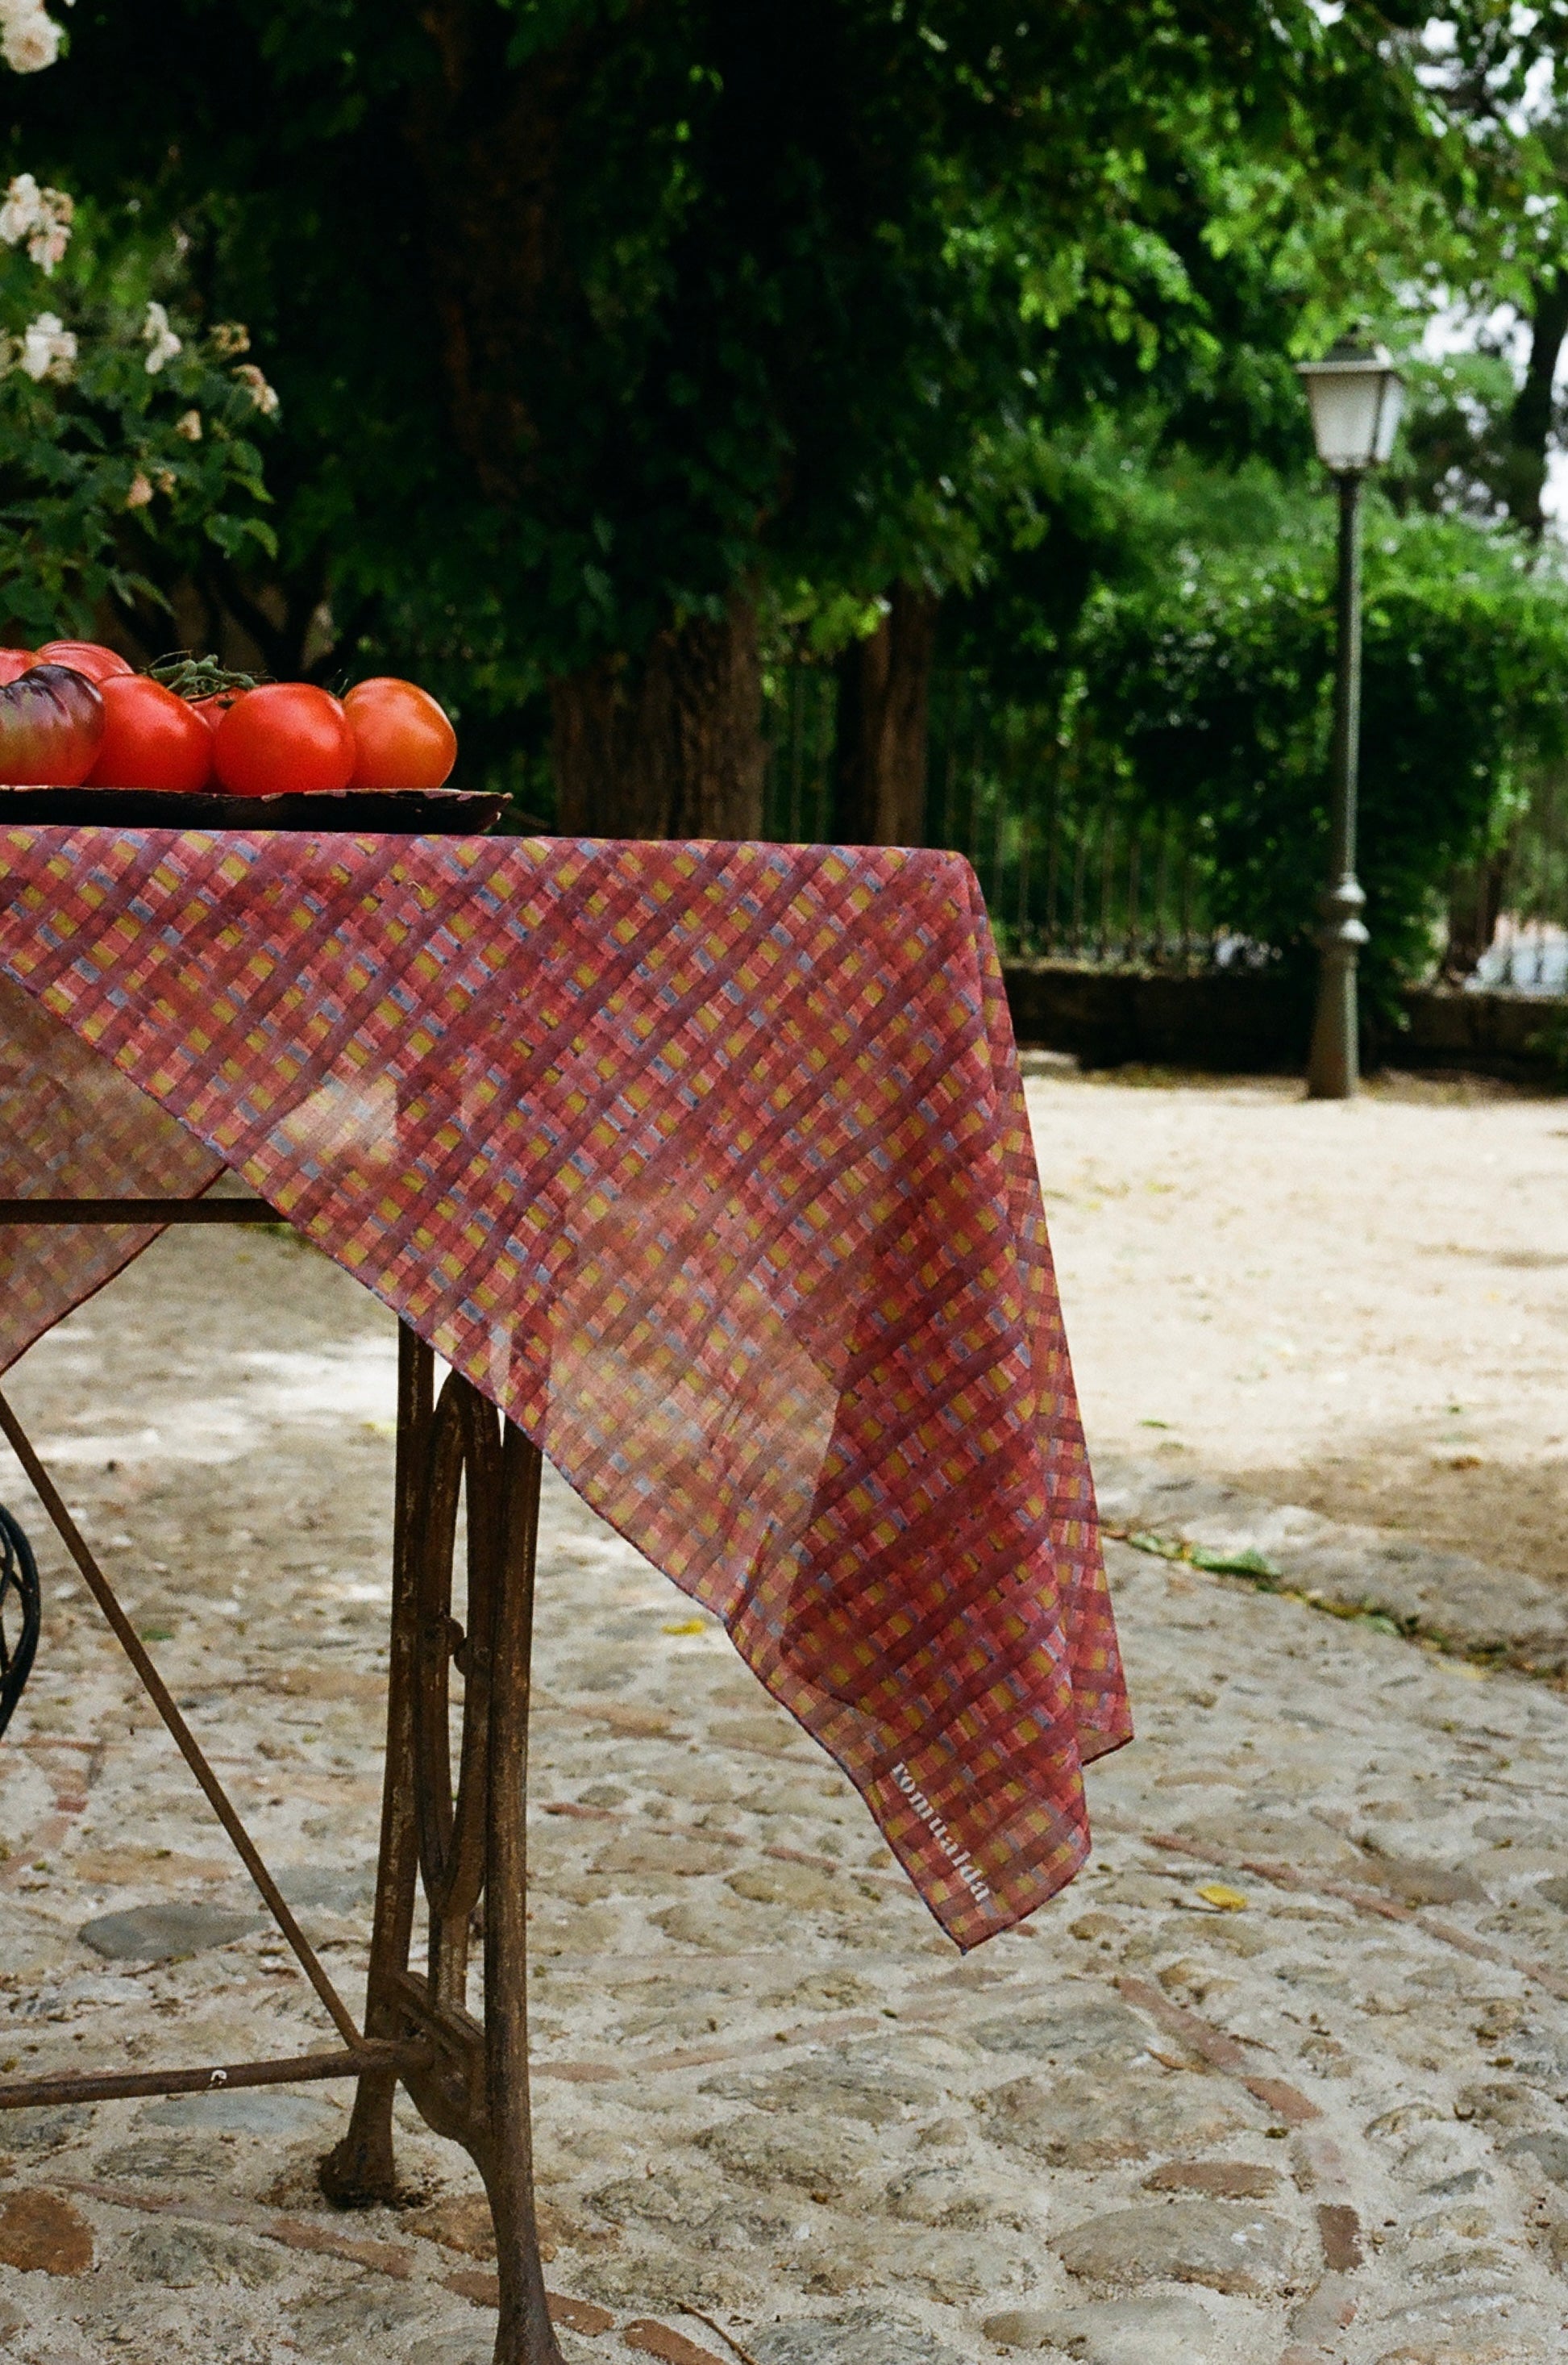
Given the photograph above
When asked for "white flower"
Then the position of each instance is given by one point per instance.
(188, 424)
(231, 337)
(47, 247)
(48, 349)
(263, 396)
(141, 492)
(30, 39)
(22, 209)
(42, 217)
(161, 342)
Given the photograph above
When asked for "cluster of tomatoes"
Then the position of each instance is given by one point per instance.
(74, 714)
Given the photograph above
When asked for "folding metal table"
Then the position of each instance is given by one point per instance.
(743, 1221)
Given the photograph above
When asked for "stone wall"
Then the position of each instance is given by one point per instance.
(1255, 1024)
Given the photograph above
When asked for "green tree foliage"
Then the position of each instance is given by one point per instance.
(589, 318)
(1497, 251)
(1170, 621)
(616, 341)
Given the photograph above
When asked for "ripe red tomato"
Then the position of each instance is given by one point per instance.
(14, 662)
(52, 721)
(286, 738)
(402, 738)
(84, 656)
(151, 739)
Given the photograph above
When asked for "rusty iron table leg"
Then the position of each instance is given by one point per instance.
(468, 1846)
(361, 2170)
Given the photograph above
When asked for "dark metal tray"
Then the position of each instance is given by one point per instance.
(400, 813)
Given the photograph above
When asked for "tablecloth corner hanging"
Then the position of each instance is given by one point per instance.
(708, 1165)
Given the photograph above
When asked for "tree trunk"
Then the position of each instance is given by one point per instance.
(1532, 416)
(669, 744)
(662, 741)
(884, 688)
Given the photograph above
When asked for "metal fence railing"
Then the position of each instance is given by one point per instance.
(803, 730)
(1072, 866)
(1076, 866)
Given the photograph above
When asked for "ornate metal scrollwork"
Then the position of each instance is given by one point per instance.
(21, 1610)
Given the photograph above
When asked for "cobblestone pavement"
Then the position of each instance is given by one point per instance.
(1282, 2077)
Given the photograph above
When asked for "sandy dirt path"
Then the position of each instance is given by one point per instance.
(1361, 1308)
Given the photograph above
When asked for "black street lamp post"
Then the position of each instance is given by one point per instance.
(1356, 397)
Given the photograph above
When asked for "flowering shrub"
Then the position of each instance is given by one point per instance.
(121, 421)
(38, 219)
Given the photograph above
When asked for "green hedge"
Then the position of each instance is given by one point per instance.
(1210, 693)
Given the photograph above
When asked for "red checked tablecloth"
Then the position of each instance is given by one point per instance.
(708, 1164)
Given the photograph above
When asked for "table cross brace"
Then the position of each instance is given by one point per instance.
(162, 1699)
(138, 1211)
(119, 2085)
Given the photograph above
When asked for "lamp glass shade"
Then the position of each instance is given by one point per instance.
(1390, 412)
(1355, 402)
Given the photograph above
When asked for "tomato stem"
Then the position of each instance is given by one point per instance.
(192, 676)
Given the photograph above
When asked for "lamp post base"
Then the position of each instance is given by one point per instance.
(1333, 1068)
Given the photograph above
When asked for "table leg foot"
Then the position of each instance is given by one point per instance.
(524, 2335)
(360, 2172)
